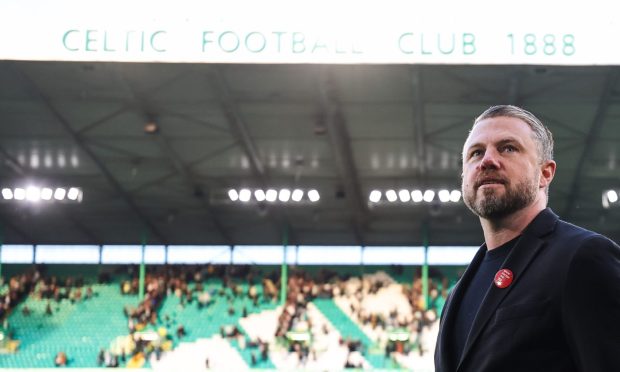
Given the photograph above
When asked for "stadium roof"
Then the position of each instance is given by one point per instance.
(343, 130)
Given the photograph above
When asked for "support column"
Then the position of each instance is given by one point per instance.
(284, 270)
(142, 270)
(425, 267)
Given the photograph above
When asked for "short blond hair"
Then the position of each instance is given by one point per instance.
(542, 135)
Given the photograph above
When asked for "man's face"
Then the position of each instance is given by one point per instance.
(501, 172)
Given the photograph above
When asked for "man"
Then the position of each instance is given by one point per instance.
(540, 294)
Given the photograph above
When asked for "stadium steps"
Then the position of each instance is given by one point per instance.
(207, 322)
(192, 356)
(348, 329)
(246, 354)
(80, 329)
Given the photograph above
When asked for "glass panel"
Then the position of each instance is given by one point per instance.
(451, 255)
(329, 255)
(393, 255)
(197, 254)
(17, 253)
(85, 254)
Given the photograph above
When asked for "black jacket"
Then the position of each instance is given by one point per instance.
(560, 313)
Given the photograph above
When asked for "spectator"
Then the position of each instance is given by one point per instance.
(101, 357)
(61, 359)
(180, 331)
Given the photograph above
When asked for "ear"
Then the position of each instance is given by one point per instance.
(547, 171)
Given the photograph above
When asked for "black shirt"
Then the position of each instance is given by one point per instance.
(475, 292)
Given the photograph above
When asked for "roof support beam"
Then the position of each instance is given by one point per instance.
(341, 147)
(178, 164)
(418, 120)
(605, 100)
(238, 126)
(78, 140)
(189, 180)
(242, 135)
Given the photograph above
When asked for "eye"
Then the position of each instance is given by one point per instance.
(509, 148)
(475, 153)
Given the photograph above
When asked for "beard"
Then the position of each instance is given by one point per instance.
(493, 205)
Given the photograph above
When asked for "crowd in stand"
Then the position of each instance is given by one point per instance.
(187, 284)
(415, 319)
(45, 288)
(38, 286)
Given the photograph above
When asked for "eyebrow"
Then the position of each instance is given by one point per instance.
(501, 142)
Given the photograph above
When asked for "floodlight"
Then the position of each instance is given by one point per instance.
(73, 193)
(259, 195)
(33, 193)
(455, 196)
(297, 195)
(46, 193)
(60, 193)
(284, 195)
(417, 196)
(271, 195)
(245, 195)
(375, 196)
(391, 196)
(444, 196)
(7, 194)
(612, 196)
(19, 193)
(429, 195)
(313, 195)
(404, 196)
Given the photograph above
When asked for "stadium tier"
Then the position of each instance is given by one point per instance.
(213, 316)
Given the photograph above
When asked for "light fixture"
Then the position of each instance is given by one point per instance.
(46, 193)
(612, 196)
(314, 196)
(33, 193)
(391, 196)
(404, 196)
(259, 195)
(284, 195)
(429, 195)
(7, 194)
(19, 193)
(455, 196)
(417, 196)
(271, 195)
(444, 196)
(375, 196)
(60, 193)
(245, 195)
(73, 193)
(297, 195)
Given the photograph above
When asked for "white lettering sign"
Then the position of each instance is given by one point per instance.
(398, 32)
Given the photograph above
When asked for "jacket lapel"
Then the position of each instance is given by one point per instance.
(518, 260)
(451, 309)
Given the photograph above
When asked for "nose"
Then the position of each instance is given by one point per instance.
(490, 160)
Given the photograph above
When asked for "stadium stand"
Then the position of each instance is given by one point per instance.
(192, 317)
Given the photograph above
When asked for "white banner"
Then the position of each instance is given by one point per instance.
(342, 32)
